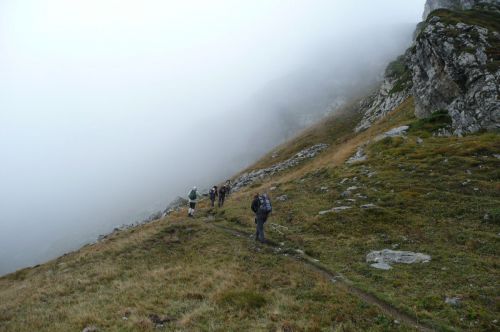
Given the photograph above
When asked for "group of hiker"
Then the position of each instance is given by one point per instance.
(220, 193)
(215, 192)
(261, 205)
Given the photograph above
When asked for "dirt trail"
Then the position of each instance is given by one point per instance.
(340, 281)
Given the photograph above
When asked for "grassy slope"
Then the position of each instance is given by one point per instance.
(432, 198)
(205, 279)
(199, 277)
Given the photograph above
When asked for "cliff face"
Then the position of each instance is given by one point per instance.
(453, 70)
(432, 5)
(453, 65)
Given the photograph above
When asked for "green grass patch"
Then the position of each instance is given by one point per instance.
(437, 120)
(242, 300)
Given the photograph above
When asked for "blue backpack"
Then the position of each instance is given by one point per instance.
(265, 204)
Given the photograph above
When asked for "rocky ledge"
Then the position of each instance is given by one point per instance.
(249, 178)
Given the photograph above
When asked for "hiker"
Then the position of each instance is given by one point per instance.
(228, 187)
(192, 196)
(261, 206)
(213, 193)
(222, 195)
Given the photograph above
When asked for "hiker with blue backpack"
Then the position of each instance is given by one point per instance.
(192, 196)
(261, 206)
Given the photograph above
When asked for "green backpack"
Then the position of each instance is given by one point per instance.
(192, 195)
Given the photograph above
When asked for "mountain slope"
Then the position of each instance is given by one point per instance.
(417, 189)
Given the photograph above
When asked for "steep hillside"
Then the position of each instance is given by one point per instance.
(383, 176)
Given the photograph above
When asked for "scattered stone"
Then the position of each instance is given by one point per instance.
(344, 180)
(420, 141)
(282, 198)
(388, 256)
(357, 157)
(352, 188)
(249, 178)
(335, 210)
(346, 193)
(453, 301)
(368, 206)
(272, 189)
(90, 328)
(442, 132)
(323, 188)
(395, 246)
(496, 156)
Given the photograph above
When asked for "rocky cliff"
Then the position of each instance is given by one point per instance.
(394, 90)
(453, 65)
(453, 68)
(432, 5)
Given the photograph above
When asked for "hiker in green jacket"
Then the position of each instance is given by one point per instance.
(192, 196)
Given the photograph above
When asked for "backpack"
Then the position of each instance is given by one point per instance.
(192, 195)
(265, 204)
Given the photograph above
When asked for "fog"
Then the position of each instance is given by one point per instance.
(110, 109)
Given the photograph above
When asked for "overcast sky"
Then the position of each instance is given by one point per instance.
(110, 108)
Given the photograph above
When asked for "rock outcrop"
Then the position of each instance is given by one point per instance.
(382, 259)
(394, 90)
(249, 178)
(450, 66)
(175, 205)
(432, 5)
(359, 156)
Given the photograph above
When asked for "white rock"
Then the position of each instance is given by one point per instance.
(392, 256)
(335, 210)
(381, 266)
(394, 132)
(357, 157)
(454, 301)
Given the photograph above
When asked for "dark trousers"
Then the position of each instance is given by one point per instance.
(213, 201)
(221, 201)
(260, 220)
